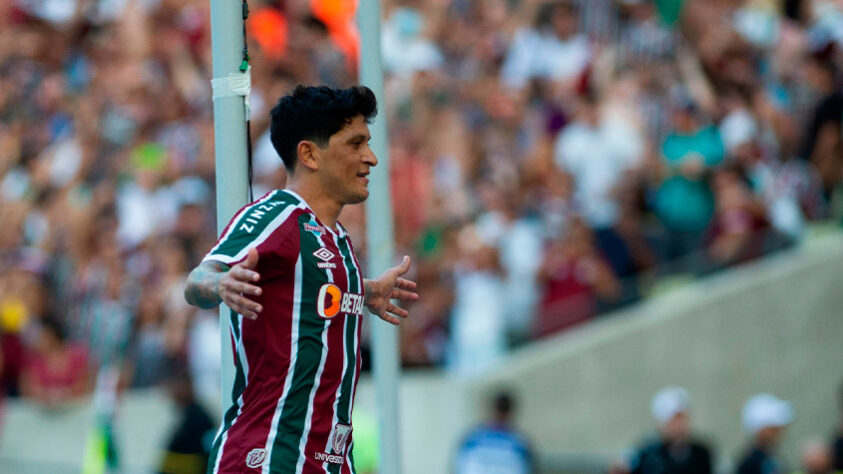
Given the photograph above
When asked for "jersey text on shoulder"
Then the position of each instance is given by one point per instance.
(256, 214)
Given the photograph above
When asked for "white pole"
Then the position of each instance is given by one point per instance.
(380, 243)
(229, 146)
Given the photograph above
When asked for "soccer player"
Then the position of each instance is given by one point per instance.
(286, 268)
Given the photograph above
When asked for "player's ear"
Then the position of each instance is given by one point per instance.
(308, 154)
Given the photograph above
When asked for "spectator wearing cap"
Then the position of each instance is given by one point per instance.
(496, 446)
(765, 418)
(674, 449)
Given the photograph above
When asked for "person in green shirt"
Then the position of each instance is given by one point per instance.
(684, 202)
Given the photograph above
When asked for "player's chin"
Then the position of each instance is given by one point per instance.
(360, 196)
(357, 197)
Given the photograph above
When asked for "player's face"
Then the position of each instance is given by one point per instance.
(346, 163)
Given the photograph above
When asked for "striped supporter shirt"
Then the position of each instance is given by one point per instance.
(297, 364)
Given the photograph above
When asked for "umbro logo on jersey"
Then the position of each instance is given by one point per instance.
(326, 256)
(256, 458)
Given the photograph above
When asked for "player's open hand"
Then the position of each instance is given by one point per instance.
(390, 286)
(237, 284)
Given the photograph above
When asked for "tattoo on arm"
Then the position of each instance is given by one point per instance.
(202, 288)
(367, 286)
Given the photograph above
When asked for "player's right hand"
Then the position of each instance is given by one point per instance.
(237, 284)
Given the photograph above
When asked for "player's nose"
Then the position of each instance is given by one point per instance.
(370, 158)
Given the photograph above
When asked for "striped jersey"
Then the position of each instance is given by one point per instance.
(296, 366)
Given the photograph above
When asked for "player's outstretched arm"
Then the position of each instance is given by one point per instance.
(212, 283)
(387, 287)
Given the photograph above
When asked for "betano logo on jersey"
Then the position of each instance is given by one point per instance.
(332, 301)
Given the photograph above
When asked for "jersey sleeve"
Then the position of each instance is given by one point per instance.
(260, 224)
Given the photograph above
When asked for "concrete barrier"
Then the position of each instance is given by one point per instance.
(38, 441)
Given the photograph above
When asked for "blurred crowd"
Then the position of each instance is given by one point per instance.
(550, 160)
(572, 155)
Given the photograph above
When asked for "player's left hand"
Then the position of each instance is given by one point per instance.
(391, 286)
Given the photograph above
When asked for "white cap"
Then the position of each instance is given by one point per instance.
(765, 410)
(668, 402)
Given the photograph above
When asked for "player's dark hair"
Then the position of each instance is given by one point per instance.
(316, 113)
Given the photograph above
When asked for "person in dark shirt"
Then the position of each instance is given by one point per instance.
(189, 445)
(674, 450)
(765, 418)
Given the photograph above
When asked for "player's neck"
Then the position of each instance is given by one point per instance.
(325, 208)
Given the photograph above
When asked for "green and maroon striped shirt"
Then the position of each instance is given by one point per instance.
(296, 365)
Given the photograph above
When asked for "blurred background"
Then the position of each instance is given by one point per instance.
(603, 198)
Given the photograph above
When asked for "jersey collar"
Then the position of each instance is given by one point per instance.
(340, 232)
